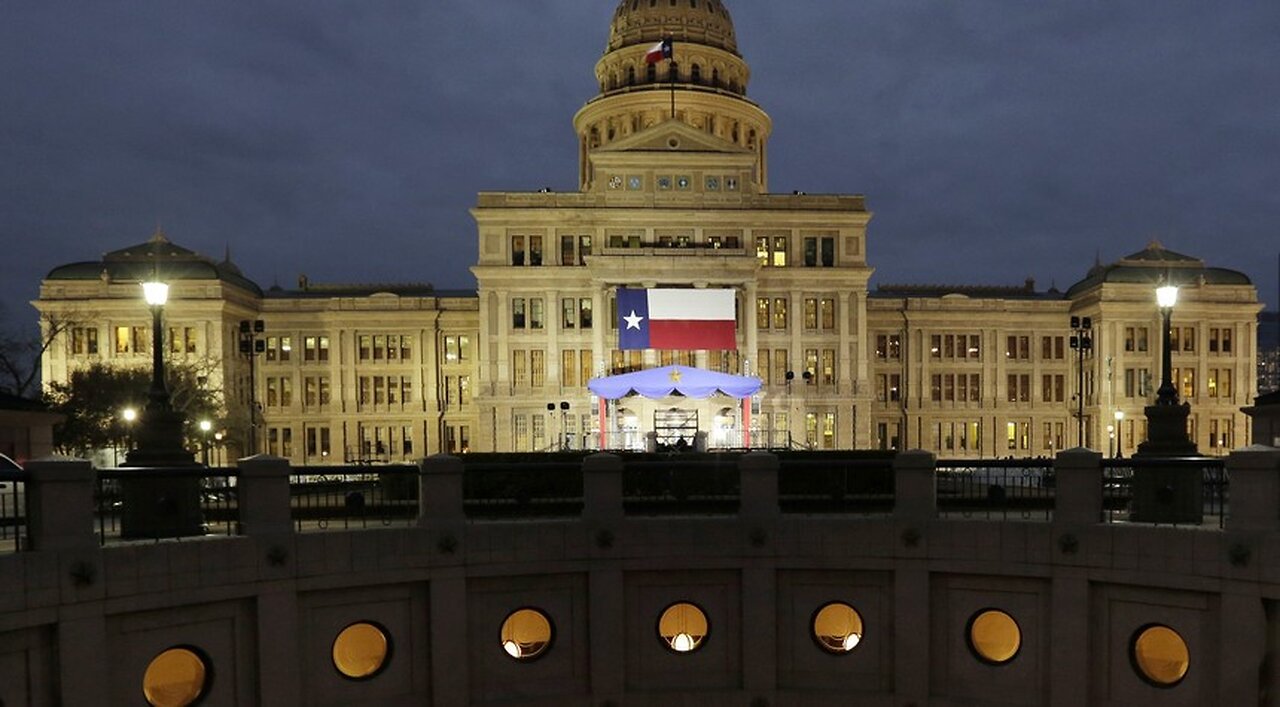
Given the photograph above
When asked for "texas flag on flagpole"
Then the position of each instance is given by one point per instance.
(687, 320)
(661, 50)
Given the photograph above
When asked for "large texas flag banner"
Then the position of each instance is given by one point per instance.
(687, 320)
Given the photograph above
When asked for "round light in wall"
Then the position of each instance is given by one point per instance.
(1160, 655)
(361, 651)
(683, 627)
(526, 634)
(994, 636)
(176, 678)
(837, 627)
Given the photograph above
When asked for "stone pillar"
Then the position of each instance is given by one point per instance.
(602, 491)
(60, 508)
(1078, 480)
(263, 494)
(1069, 626)
(602, 516)
(1255, 490)
(440, 491)
(758, 479)
(60, 513)
(915, 490)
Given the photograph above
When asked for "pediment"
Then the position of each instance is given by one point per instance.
(673, 136)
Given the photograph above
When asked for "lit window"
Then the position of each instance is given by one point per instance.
(683, 627)
(837, 628)
(994, 636)
(526, 634)
(175, 678)
(361, 651)
(1160, 656)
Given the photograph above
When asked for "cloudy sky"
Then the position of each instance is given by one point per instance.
(346, 140)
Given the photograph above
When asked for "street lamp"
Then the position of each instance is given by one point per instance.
(1082, 342)
(130, 416)
(160, 436)
(205, 427)
(251, 346)
(1167, 419)
(1167, 299)
(1119, 434)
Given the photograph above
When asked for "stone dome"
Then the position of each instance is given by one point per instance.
(705, 22)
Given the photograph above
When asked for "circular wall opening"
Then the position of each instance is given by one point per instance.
(994, 636)
(683, 627)
(361, 651)
(526, 634)
(1160, 655)
(837, 627)
(176, 678)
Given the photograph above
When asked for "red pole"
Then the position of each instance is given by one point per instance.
(604, 424)
(746, 422)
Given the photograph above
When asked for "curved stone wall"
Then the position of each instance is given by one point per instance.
(79, 623)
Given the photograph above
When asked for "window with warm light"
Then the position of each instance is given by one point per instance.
(1160, 656)
(361, 651)
(994, 637)
(177, 677)
(837, 627)
(527, 634)
(683, 627)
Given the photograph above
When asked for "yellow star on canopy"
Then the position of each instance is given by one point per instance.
(675, 375)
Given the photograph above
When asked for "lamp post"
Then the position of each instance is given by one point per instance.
(251, 346)
(160, 505)
(1167, 299)
(1082, 342)
(130, 416)
(1167, 494)
(1119, 434)
(205, 427)
(160, 440)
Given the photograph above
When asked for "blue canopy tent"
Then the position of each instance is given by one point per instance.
(676, 380)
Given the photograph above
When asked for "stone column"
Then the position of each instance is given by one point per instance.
(262, 491)
(1078, 479)
(915, 492)
(758, 478)
(1255, 490)
(440, 492)
(60, 508)
(60, 512)
(602, 491)
(602, 516)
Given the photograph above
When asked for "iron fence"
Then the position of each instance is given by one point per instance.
(530, 489)
(836, 485)
(681, 484)
(1209, 496)
(353, 497)
(165, 503)
(13, 511)
(1018, 489)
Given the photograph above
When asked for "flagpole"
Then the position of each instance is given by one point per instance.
(671, 69)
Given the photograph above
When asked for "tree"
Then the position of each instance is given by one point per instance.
(93, 400)
(21, 351)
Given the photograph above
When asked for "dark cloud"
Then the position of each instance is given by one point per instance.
(994, 140)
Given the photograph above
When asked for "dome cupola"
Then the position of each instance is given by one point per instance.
(704, 22)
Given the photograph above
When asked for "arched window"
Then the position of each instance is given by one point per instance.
(695, 74)
(653, 73)
(631, 75)
(715, 78)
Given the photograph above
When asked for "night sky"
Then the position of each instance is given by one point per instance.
(995, 141)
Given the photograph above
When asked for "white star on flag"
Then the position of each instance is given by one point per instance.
(633, 321)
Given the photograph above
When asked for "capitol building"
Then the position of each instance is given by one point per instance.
(674, 193)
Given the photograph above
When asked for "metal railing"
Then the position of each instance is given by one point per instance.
(13, 511)
(836, 485)
(353, 497)
(1004, 489)
(165, 503)
(1214, 492)
(530, 489)
(681, 484)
